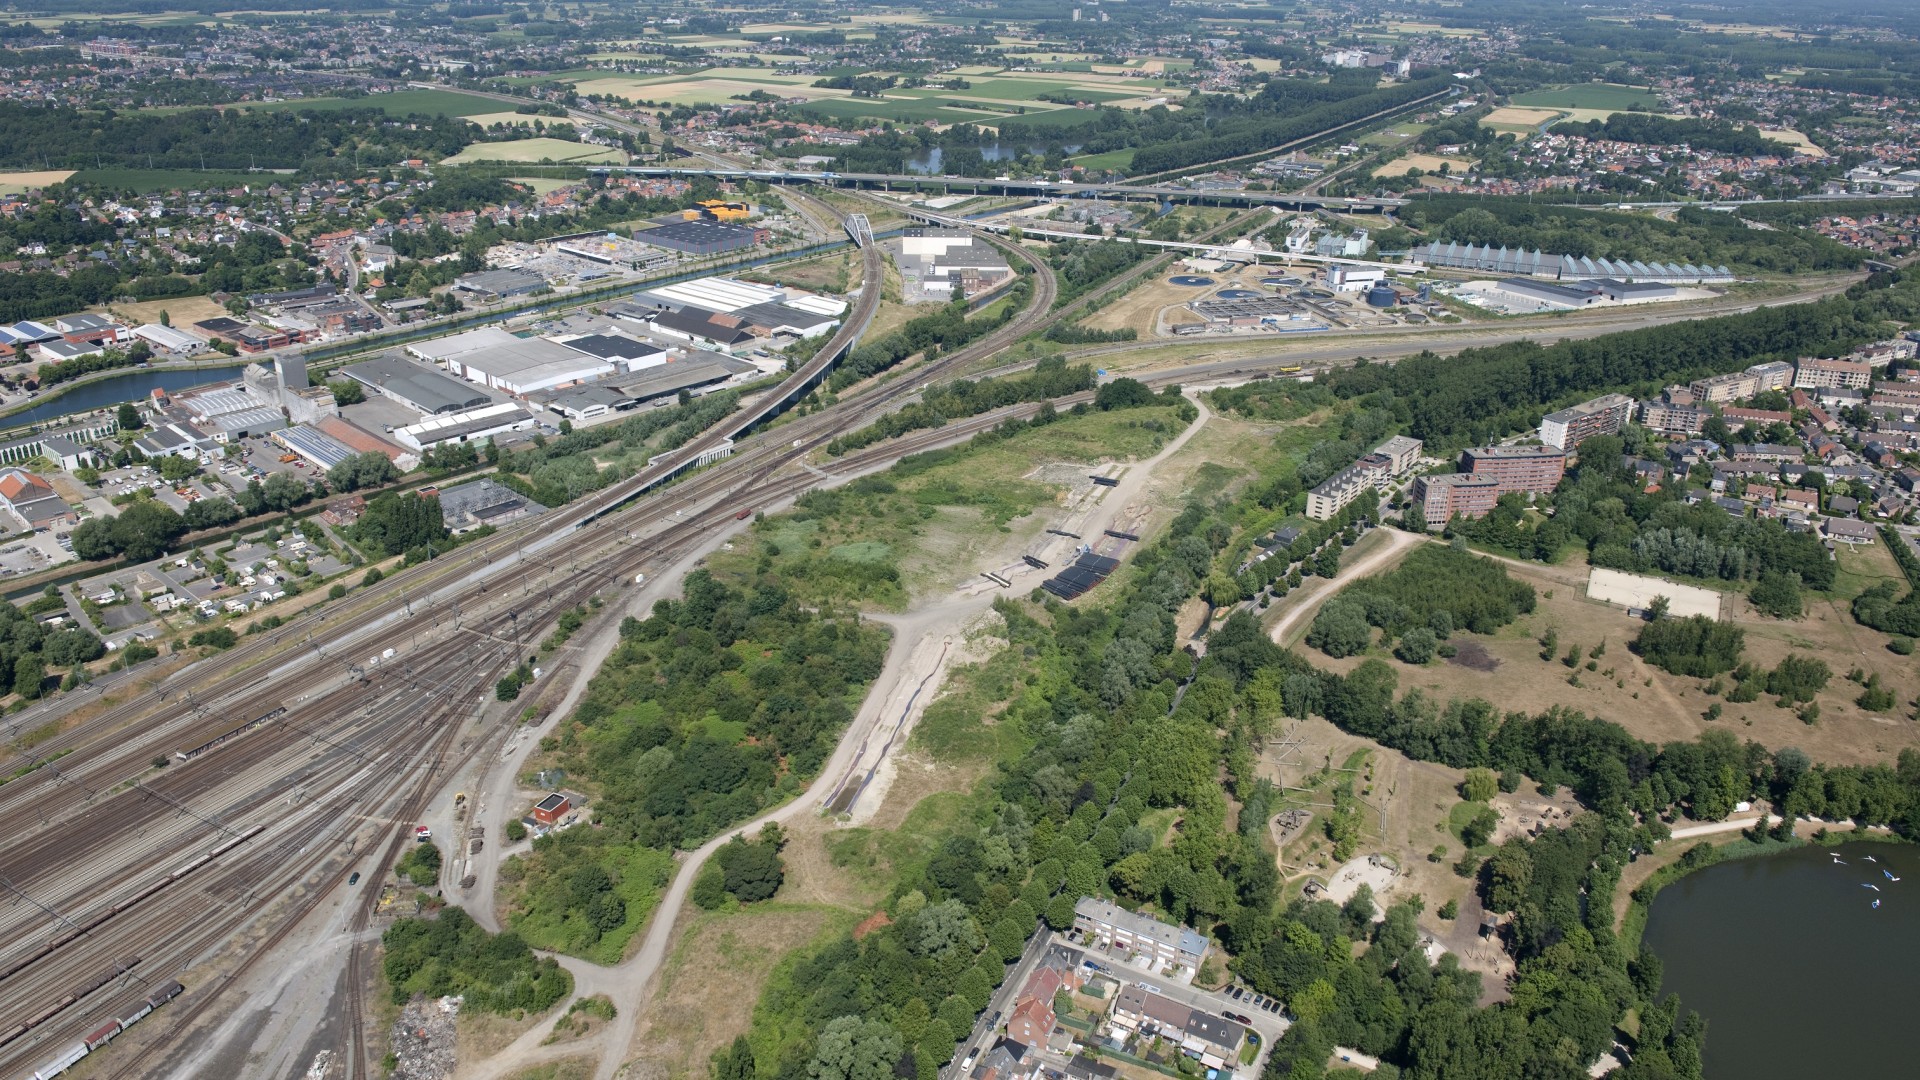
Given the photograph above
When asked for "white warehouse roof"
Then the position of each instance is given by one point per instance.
(719, 294)
(817, 305)
(166, 337)
(524, 365)
(446, 348)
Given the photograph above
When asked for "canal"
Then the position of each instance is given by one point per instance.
(132, 386)
(1795, 971)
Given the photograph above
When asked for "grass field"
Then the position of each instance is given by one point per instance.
(1112, 159)
(1613, 97)
(397, 103)
(182, 310)
(1659, 707)
(540, 185)
(15, 183)
(537, 150)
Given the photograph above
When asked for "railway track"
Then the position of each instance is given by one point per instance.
(86, 798)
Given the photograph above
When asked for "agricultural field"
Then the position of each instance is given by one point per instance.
(1800, 143)
(536, 150)
(142, 181)
(15, 183)
(1519, 120)
(1612, 97)
(1424, 162)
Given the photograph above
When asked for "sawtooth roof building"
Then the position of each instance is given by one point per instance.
(1565, 267)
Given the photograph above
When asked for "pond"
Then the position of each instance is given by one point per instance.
(1795, 971)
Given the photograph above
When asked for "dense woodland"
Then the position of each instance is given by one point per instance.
(717, 706)
(317, 143)
(1480, 395)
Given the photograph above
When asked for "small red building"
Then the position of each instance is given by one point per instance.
(550, 810)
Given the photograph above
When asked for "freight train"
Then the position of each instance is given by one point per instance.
(106, 1033)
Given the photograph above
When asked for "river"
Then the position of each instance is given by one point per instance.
(1796, 973)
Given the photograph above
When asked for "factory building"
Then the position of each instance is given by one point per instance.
(702, 237)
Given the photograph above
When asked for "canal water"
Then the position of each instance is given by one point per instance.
(132, 386)
(1797, 974)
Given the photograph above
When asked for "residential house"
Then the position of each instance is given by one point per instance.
(1848, 531)
(1109, 926)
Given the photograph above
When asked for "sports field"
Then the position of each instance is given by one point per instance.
(1612, 97)
(559, 150)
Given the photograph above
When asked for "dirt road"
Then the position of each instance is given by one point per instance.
(1316, 590)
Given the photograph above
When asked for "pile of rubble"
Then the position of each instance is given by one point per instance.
(422, 1039)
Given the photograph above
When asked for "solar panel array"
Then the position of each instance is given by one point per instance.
(1086, 572)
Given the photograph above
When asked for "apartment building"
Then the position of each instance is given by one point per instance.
(1671, 418)
(1393, 458)
(1570, 427)
(1116, 929)
(1835, 374)
(1443, 498)
(1533, 469)
(1758, 379)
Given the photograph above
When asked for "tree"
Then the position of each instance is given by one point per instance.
(395, 522)
(142, 531)
(174, 468)
(944, 930)
(1123, 393)
(1417, 645)
(1479, 829)
(28, 675)
(1327, 563)
(347, 392)
(751, 871)
(1480, 785)
(851, 1048)
(736, 1062)
(128, 417)
(1340, 629)
(369, 469)
(1777, 594)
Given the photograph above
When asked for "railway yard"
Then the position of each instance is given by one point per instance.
(316, 743)
(305, 746)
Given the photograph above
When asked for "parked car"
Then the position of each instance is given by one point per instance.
(1239, 1019)
(353, 878)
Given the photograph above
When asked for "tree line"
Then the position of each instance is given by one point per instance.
(1050, 378)
(944, 330)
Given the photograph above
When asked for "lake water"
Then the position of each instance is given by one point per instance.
(1796, 973)
(132, 386)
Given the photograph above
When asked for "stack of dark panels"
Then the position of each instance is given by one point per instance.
(1086, 572)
